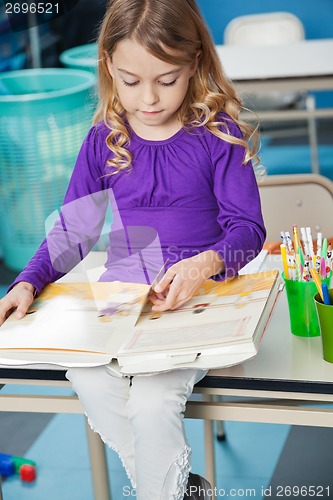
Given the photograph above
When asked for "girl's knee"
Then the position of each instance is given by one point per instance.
(151, 406)
(145, 407)
(165, 393)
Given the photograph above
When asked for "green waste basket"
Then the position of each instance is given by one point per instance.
(45, 115)
(82, 57)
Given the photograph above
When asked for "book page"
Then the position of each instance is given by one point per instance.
(95, 317)
(218, 314)
(191, 336)
(255, 265)
(42, 357)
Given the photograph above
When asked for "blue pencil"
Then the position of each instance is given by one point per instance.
(326, 296)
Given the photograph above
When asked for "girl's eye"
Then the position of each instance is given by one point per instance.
(130, 84)
(169, 84)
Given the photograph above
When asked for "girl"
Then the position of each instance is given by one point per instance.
(169, 143)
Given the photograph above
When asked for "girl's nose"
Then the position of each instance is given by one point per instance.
(149, 96)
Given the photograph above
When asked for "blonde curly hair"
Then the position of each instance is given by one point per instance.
(175, 32)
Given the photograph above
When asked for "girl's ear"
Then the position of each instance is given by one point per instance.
(194, 65)
(109, 65)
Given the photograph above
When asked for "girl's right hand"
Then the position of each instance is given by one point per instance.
(20, 297)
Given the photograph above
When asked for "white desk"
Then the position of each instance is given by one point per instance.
(286, 368)
(287, 374)
(304, 66)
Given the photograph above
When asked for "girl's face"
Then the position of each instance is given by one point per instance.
(150, 90)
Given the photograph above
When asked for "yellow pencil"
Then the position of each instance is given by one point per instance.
(317, 280)
(284, 260)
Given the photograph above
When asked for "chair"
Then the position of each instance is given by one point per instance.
(274, 29)
(301, 199)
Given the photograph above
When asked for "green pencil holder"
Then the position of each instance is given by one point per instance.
(302, 310)
(325, 318)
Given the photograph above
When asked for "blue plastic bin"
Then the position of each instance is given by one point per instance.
(82, 57)
(44, 116)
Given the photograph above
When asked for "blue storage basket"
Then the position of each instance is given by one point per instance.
(82, 57)
(45, 115)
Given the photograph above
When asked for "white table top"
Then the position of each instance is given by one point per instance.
(282, 357)
(308, 58)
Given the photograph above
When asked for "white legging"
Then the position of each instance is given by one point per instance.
(141, 418)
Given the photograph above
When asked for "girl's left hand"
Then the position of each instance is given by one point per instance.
(183, 279)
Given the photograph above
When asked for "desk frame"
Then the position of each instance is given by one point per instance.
(284, 403)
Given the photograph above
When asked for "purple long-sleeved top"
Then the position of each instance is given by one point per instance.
(182, 195)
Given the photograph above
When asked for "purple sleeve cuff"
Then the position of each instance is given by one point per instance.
(39, 271)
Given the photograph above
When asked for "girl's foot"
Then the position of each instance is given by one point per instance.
(198, 488)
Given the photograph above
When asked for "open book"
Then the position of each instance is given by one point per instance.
(88, 324)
